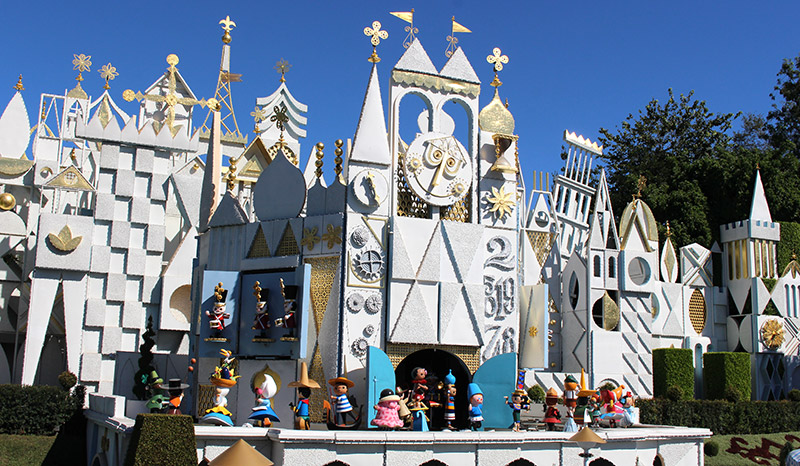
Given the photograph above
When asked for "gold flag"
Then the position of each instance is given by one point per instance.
(407, 16)
(458, 27)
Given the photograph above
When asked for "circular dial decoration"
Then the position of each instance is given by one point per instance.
(370, 188)
(368, 265)
(438, 168)
(772, 334)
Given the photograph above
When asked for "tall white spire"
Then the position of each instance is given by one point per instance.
(371, 144)
(759, 209)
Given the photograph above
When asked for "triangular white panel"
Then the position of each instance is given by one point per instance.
(188, 190)
(414, 324)
(459, 68)
(429, 268)
(15, 128)
(761, 296)
(462, 241)
(130, 132)
(450, 295)
(739, 290)
(475, 299)
(401, 264)
(416, 59)
(459, 328)
(416, 236)
(371, 144)
(228, 212)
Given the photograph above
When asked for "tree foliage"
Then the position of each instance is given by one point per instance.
(700, 173)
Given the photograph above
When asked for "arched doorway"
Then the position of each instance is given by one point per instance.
(521, 462)
(601, 462)
(438, 363)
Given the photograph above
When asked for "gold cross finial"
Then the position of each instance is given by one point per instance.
(282, 67)
(498, 60)
(376, 34)
(227, 26)
(81, 63)
(108, 73)
(258, 116)
(18, 86)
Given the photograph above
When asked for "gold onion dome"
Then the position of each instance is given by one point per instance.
(495, 117)
(629, 216)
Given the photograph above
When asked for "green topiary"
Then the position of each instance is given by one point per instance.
(711, 448)
(162, 439)
(733, 394)
(788, 245)
(794, 395)
(673, 366)
(721, 370)
(536, 394)
(37, 409)
(674, 393)
(787, 448)
(67, 380)
(145, 362)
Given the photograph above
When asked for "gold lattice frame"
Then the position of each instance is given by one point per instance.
(205, 398)
(697, 311)
(288, 244)
(259, 246)
(772, 334)
(408, 203)
(459, 211)
(471, 356)
(323, 273)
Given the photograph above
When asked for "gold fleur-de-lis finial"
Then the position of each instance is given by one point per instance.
(108, 72)
(498, 60)
(81, 63)
(282, 66)
(377, 34)
(227, 26)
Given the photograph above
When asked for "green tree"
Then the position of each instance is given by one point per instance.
(784, 119)
(676, 146)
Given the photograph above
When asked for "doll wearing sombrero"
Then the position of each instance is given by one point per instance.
(304, 386)
(342, 407)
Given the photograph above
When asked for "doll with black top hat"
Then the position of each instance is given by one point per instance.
(217, 315)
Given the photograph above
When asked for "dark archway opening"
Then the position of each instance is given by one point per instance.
(521, 462)
(433, 463)
(438, 363)
(601, 462)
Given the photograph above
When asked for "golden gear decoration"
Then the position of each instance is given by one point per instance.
(772, 334)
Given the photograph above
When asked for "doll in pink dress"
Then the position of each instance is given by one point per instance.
(387, 409)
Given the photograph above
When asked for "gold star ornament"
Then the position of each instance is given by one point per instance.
(772, 334)
(501, 202)
(533, 331)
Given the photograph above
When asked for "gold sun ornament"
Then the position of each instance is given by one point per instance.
(772, 334)
(502, 202)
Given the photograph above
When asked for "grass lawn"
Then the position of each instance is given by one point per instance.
(751, 450)
(24, 450)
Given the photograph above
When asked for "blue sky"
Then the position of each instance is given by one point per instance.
(573, 65)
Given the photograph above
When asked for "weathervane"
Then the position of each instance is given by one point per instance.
(282, 66)
(171, 99)
(451, 39)
(227, 26)
(407, 16)
(377, 35)
(280, 118)
(108, 73)
(498, 60)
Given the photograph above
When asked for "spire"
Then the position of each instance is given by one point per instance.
(231, 134)
(759, 209)
(416, 60)
(212, 174)
(15, 128)
(370, 144)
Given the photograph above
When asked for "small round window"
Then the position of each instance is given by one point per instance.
(639, 271)
(574, 290)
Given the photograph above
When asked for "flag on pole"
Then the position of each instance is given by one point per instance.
(457, 27)
(407, 16)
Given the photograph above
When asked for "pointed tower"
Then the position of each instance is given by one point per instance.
(233, 142)
(283, 101)
(573, 194)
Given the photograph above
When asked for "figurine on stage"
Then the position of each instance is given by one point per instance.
(475, 405)
(223, 378)
(386, 417)
(342, 407)
(175, 390)
(301, 411)
(518, 402)
(263, 411)
(419, 386)
(218, 315)
(288, 321)
(450, 404)
(570, 402)
(261, 320)
(551, 414)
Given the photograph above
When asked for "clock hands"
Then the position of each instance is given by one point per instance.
(370, 178)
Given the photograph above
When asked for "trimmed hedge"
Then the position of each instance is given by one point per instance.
(723, 370)
(162, 439)
(37, 410)
(788, 245)
(673, 366)
(722, 417)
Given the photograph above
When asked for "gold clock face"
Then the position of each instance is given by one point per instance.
(438, 169)
(772, 334)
